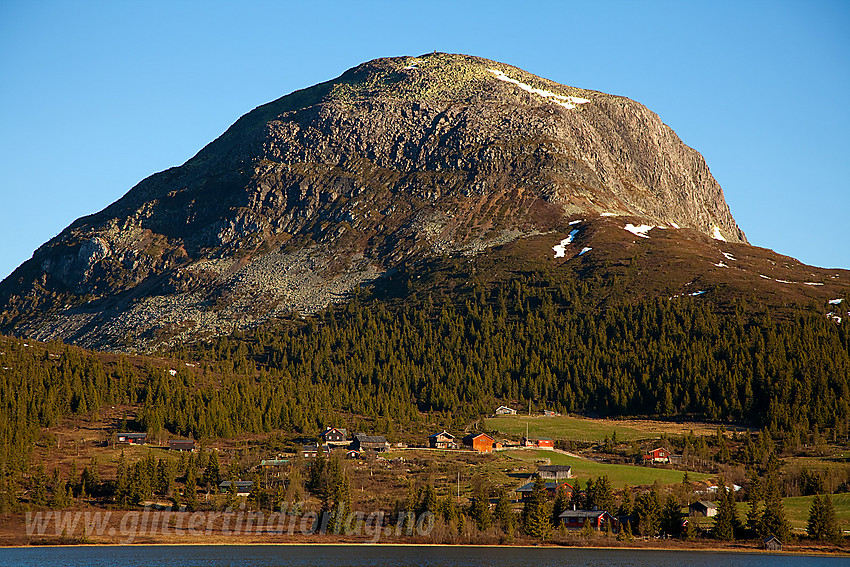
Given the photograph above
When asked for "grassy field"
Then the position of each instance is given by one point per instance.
(590, 430)
(619, 475)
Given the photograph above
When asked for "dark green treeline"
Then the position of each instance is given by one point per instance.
(387, 364)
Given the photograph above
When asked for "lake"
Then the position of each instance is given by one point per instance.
(395, 556)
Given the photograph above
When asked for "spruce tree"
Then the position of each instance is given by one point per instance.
(429, 500)
(535, 512)
(39, 490)
(625, 532)
(504, 512)
(191, 492)
(561, 504)
(822, 524)
(647, 512)
(724, 524)
(671, 517)
(627, 505)
(339, 492)
(122, 482)
(754, 502)
(479, 509)
(773, 519)
(212, 472)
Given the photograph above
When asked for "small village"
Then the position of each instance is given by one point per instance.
(556, 482)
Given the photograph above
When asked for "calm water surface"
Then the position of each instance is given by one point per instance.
(368, 556)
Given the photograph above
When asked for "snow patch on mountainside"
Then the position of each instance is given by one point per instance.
(569, 102)
(639, 230)
(561, 248)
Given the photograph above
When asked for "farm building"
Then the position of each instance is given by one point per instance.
(480, 442)
(364, 442)
(505, 410)
(554, 472)
(539, 443)
(702, 508)
(181, 445)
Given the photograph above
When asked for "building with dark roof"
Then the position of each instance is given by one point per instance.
(362, 442)
(181, 445)
(702, 508)
(335, 436)
(242, 487)
(555, 472)
(552, 488)
(442, 440)
(131, 438)
(576, 519)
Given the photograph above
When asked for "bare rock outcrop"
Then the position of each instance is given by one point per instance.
(310, 195)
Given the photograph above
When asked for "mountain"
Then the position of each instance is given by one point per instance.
(397, 166)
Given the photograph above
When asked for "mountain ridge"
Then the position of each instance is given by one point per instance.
(330, 187)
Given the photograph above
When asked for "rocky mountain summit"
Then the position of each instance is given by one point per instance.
(308, 196)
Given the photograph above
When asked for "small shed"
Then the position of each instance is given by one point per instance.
(773, 544)
(702, 508)
(181, 445)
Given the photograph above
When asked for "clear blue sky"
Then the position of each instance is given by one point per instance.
(96, 96)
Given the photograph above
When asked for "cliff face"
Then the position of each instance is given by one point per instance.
(308, 196)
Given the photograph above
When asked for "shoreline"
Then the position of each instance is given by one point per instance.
(543, 545)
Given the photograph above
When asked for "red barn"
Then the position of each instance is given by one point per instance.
(480, 442)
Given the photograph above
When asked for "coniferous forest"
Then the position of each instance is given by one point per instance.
(454, 357)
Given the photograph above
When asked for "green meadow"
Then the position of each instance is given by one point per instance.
(619, 475)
